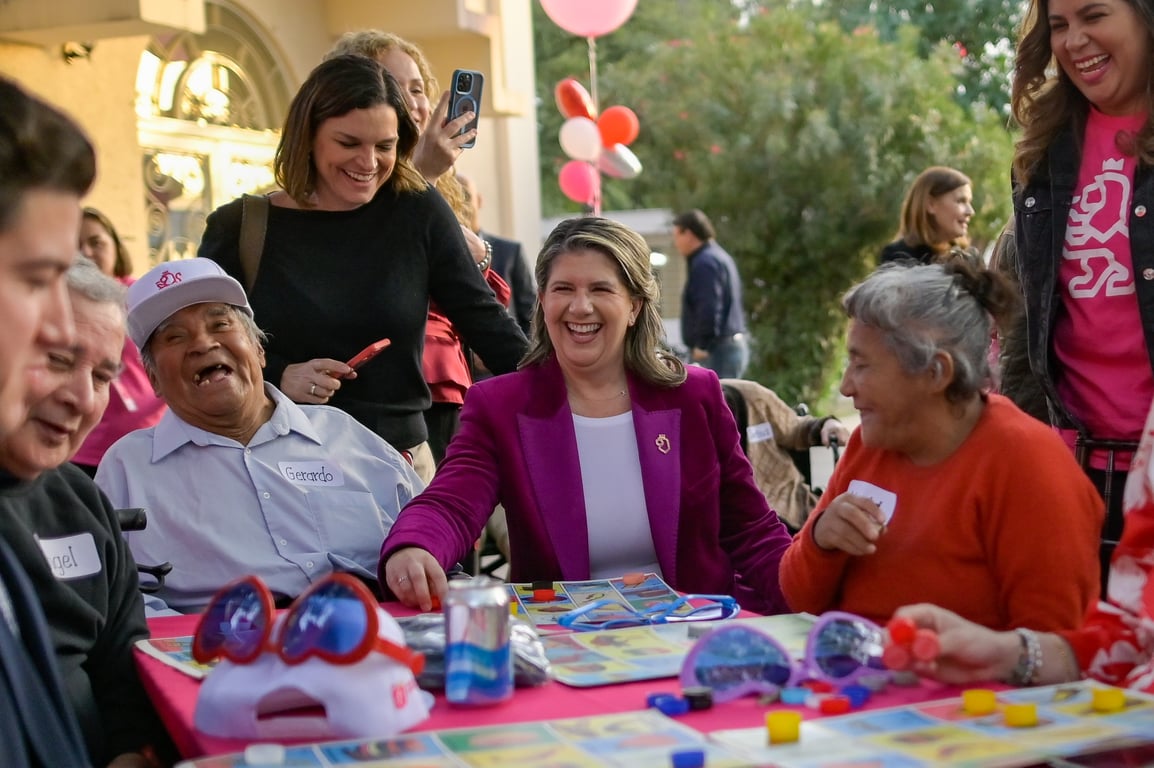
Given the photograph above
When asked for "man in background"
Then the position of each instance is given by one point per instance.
(712, 318)
(508, 261)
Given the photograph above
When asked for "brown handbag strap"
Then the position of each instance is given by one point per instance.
(253, 223)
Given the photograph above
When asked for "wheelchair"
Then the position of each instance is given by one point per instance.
(136, 519)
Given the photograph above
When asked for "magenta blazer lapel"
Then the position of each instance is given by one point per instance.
(550, 449)
(549, 442)
(659, 448)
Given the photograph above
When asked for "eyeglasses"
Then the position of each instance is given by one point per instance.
(614, 614)
(737, 659)
(335, 620)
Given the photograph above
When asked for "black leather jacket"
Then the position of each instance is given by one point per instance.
(1041, 209)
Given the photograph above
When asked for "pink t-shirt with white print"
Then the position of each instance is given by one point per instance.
(1106, 379)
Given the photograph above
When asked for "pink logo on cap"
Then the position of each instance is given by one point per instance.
(168, 278)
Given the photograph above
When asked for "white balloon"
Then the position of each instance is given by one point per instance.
(580, 139)
(619, 162)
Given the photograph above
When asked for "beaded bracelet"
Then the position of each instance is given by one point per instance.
(1029, 661)
(484, 263)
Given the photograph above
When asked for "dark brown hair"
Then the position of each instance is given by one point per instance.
(122, 267)
(40, 148)
(1044, 100)
(336, 87)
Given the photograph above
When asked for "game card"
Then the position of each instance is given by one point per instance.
(886, 500)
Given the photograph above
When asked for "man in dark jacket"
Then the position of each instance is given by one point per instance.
(508, 261)
(712, 318)
(65, 534)
(46, 166)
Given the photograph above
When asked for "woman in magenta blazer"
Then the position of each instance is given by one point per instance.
(608, 455)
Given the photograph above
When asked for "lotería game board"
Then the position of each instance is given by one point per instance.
(641, 593)
(940, 733)
(633, 740)
(583, 659)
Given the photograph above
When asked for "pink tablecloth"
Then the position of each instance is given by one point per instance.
(174, 695)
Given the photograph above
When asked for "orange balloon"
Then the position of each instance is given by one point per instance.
(618, 125)
(573, 100)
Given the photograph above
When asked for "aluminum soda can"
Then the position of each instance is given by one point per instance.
(478, 656)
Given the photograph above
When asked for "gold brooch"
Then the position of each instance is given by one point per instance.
(662, 443)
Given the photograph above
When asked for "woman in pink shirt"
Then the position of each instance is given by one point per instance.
(1084, 230)
(132, 404)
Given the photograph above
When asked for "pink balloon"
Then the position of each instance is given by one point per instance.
(589, 18)
(579, 181)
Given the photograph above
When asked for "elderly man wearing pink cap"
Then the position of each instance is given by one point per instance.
(236, 478)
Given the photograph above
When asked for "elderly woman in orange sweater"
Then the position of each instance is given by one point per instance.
(946, 493)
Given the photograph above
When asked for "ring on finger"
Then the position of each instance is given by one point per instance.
(312, 389)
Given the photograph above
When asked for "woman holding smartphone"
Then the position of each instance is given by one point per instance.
(356, 246)
(446, 367)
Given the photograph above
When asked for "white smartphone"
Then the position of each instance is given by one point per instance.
(465, 96)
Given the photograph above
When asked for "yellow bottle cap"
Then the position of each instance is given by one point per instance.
(1109, 699)
(979, 701)
(1021, 715)
(783, 726)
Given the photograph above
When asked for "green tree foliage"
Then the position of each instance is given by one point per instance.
(982, 31)
(799, 139)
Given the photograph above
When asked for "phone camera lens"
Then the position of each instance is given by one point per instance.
(464, 82)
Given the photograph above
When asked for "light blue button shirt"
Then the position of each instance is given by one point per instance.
(313, 492)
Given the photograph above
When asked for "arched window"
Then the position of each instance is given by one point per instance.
(209, 108)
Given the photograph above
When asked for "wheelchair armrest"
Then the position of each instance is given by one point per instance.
(157, 572)
(132, 519)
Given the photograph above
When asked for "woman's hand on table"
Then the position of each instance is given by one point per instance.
(415, 576)
(968, 652)
(316, 381)
(850, 524)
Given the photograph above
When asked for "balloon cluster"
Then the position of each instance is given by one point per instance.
(594, 143)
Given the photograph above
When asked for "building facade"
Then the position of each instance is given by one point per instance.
(184, 99)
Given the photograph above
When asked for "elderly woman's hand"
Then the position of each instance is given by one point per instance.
(414, 576)
(439, 145)
(316, 381)
(851, 524)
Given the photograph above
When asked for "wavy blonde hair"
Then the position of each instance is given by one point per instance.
(645, 354)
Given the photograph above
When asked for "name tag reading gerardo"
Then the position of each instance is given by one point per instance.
(314, 473)
(71, 557)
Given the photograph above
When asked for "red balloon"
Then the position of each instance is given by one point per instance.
(618, 125)
(573, 100)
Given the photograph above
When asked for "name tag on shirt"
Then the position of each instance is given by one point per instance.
(316, 473)
(887, 500)
(759, 433)
(71, 557)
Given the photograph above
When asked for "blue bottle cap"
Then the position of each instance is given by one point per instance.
(652, 699)
(673, 706)
(688, 758)
(858, 695)
(794, 695)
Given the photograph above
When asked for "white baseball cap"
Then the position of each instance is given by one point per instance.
(170, 287)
